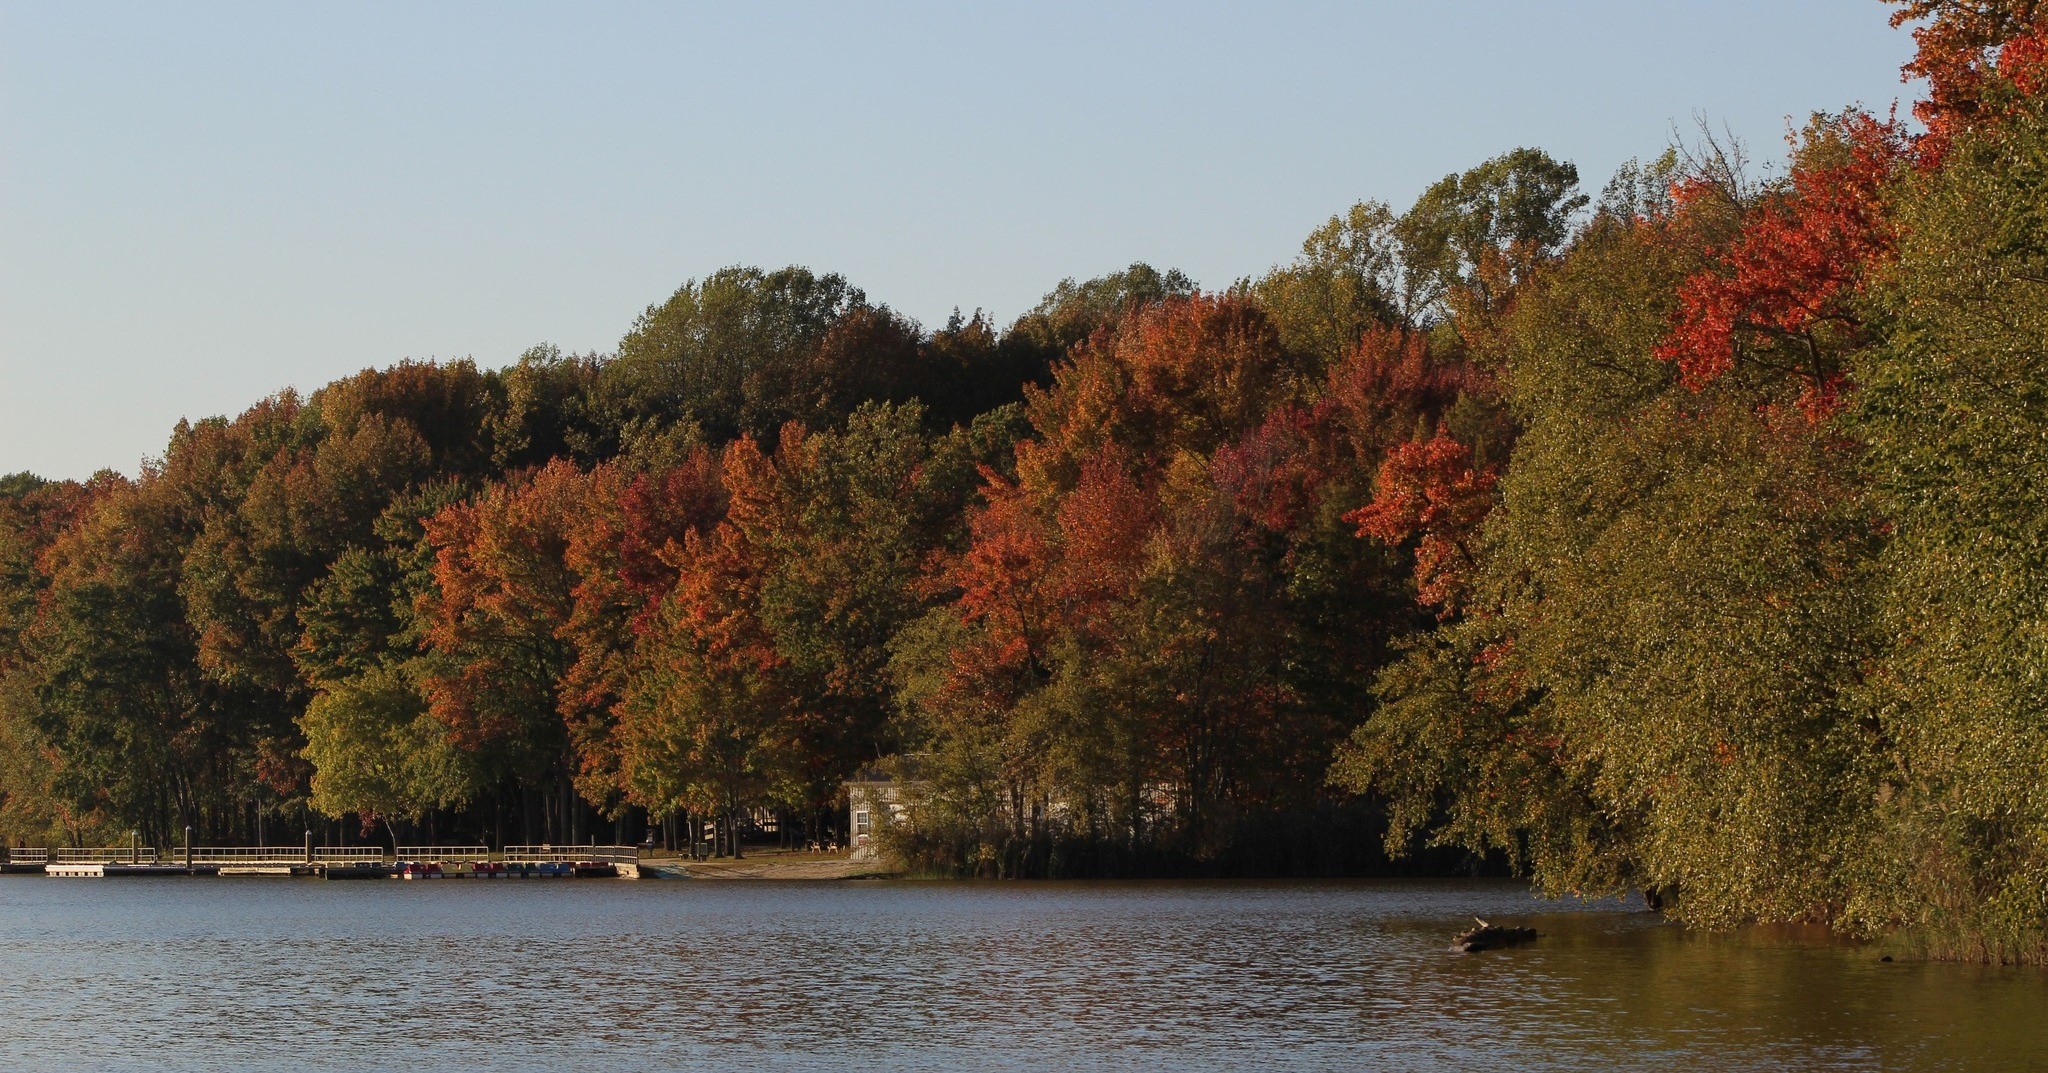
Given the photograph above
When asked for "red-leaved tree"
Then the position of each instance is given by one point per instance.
(1429, 493)
(1781, 293)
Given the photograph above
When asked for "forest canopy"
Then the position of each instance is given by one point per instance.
(1689, 541)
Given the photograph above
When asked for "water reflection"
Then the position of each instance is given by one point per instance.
(249, 974)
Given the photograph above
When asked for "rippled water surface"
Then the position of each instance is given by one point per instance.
(261, 974)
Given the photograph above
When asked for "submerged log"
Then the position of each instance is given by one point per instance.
(1489, 936)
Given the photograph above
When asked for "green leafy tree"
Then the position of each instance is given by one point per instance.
(725, 353)
(1955, 411)
(1480, 233)
(1350, 278)
(549, 411)
(377, 751)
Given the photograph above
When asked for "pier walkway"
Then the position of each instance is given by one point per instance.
(329, 862)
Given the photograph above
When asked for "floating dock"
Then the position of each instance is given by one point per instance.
(114, 871)
(343, 863)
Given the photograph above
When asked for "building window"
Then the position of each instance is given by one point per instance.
(860, 822)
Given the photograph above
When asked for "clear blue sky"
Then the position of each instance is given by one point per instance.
(201, 204)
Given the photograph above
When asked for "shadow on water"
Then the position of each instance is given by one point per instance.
(233, 974)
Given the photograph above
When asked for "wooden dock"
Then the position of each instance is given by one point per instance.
(117, 870)
(337, 863)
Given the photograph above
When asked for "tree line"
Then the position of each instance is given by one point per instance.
(1687, 540)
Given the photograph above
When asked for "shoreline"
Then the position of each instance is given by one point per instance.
(770, 867)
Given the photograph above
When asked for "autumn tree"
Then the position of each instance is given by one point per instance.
(141, 738)
(704, 718)
(1978, 57)
(1781, 294)
(1075, 310)
(1652, 681)
(623, 551)
(493, 628)
(34, 513)
(1122, 664)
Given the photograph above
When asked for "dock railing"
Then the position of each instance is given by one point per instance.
(104, 855)
(26, 855)
(572, 854)
(248, 855)
(347, 854)
(444, 854)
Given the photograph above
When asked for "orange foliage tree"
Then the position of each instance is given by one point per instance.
(1782, 292)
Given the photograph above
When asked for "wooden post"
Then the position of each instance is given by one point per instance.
(134, 847)
(309, 845)
(188, 847)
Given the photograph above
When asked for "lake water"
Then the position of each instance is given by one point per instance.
(233, 974)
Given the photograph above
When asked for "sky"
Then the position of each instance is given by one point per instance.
(202, 204)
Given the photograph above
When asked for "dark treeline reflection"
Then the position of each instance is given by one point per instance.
(1688, 540)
